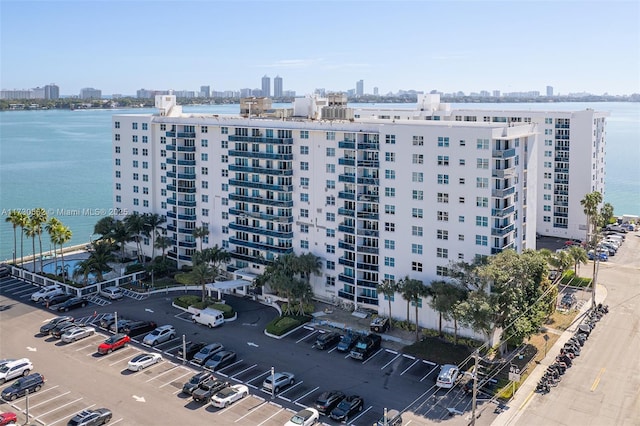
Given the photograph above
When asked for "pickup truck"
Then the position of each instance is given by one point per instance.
(366, 346)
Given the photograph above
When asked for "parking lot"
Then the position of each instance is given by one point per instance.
(79, 378)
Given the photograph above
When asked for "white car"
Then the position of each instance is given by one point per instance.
(160, 335)
(112, 293)
(50, 290)
(228, 396)
(306, 417)
(447, 377)
(77, 333)
(142, 361)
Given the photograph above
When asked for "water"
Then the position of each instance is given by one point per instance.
(62, 161)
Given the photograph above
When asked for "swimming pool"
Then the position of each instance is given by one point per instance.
(70, 266)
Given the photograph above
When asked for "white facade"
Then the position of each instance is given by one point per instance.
(384, 196)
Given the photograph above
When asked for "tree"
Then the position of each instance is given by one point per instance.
(105, 227)
(138, 228)
(590, 203)
(62, 235)
(38, 218)
(163, 243)
(153, 221)
(578, 255)
(199, 233)
(14, 219)
(560, 261)
(444, 296)
(203, 274)
(476, 312)
(121, 235)
(412, 291)
(31, 231)
(606, 213)
(22, 220)
(100, 257)
(83, 268)
(388, 288)
(50, 227)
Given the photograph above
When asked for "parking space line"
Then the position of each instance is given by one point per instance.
(391, 351)
(407, 369)
(119, 360)
(246, 369)
(50, 399)
(228, 366)
(305, 395)
(260, 375)
(351, 421)
(429, 362)
(163, 373)
(331, 350)
(387, 364)
(84, 347)
(308, 335)
(63, 418)
(43, 391)
(177, 378)
(431, 371)
(409, 356)
(60, 406)
(271, 416)
(372, 356)
(117, 421)
(291, 388)
(249, 412)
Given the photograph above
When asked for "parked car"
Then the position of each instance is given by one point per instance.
(192, 348)
(328, 400)
(229, 395)
(142, 361)
(195, 381)
(207, 389)
(4, 362)
(76, 333)
(366, 346)
(161, 334)
(391, 418)
(113, 343)
(5, 271)
(448, 376)
(346, 342)
(327, 340)
(568, 300)
(278, 381)
(107, 320)
(206, 353)
(46, 329)
(603, 257)
(73, 303)
(616, 228)
(122, 323)
(347, 408)
(53, 300)
(220, 360)
(135, 328)
(32, 383)
(50, 290)
(97, 417)
(306, 417)
(379, 325)
(112, 293)
(8, 418)
(13, 369)
(62, 328)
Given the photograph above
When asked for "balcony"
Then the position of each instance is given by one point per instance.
(185, 162)
(347, 229)
(171, 161)
(368, 232)
(368, 249)
(560, 192)
(261, 170)
(501, 193)
(187, 244)
(347, 161)
(172, 215)
(561, 170)
(368, 267)
(171, 201)
(260, 139)
(347, 195)
(505, 153)
(368, 180)
(186, 149)
(502, 173)
(346, 246)
(170, 134)
(185, 176)
(367, 283)
(502, 231)
(261, 231)
(171, 228)
(503, 212)
(171, 174)
(260, 200)
(346, 262)
(346, 212)
(171, 147)
(345, 295)
(563, 126)
(260, 185)
(171, 188)
(496, 250)
(347, 144)
(187, 189)
(252, 259)
(372, 197)
(368, 215)
(348, 178)
(261, 246)
(561, 181)
(183, 257)
(265, 155)
(187, 217)
(374, 146)
(559, 214)
(184, 203)
(369, 163)
(185, 231)
(258, 215)
(184, 135)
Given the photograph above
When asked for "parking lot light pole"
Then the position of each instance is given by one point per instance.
(184, 349)
(384, 417)
(273, 383)
(116, 323)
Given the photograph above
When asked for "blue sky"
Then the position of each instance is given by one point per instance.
(122, 46)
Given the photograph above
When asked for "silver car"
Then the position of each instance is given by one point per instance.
(278, 381)
(160, 335)
(77, 333)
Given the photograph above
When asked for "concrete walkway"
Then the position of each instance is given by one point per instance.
(526, 392)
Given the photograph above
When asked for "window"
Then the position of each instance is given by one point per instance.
(331, 217)
(443, 197)
(331, 184)
(145, 178)
(118, 199)
(304, 229)
(331, 200)
(304, 197)
(224, 159)
(136, 202)
(461, 219)
(135, 151)
(331, 168)
(482, 202)
(225, 173)
(163, 153)
(418, 140)
(460, 237)
(417, 266)
(205, 198)
(204, 129)
(224, 130)
(416, 231)
(331, 233)
(224, 144)
(304, 134)
(463, 143)
(205, 212)
(442, 252)
(225, 187)
(117, 150)
(442, 234)
(442, 216)
(417, 177)
(390, 244)
(482, 163)
(204, 156)
(482, 182)
(390, 139)
(417, 159)
(136, 176)
(443, 141)
(389, 209)
(481, 240)
(331, 152)
(461, 200)
(390, 174)
(145, 190)
(390, 156)
(135, 164)
(304, 244)
(416, 212)
(443, 160)
(547, 175)
(482, 221)
(331, 265)
(547, 197)
(145, 139)
(136, 189)
(304, 181)
(462, 162)
(119, 187)
(390, 192)
(205, 171)
(482, 144)
(331, 248)
(331, 136)
(304, 150)
(134, 138)
(390, 227)
(117, 124)
(117, 161)
(547, 218)
(443, 179)
(389, 261)
(461, 181)
(134, 126)
(205, 184)
(442, 271)
(547, 208)
(304, 165)
(204, 143)
(416, 248)
(304, 212)
(117, 136)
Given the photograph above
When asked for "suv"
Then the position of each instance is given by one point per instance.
(379, 325)
(12, 369)
(113, 343)
(50, 290)
(97, 417)
(20, 387)
(112, 293)
(139, 327)
(46, 329)
(160, 335)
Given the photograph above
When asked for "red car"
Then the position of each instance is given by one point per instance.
(113, 343)
(8, 419)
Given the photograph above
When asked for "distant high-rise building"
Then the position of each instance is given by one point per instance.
(375, 91)
(205, 91)
(37, 93)
(15, 94)
(245, 93)
(549, 90)
(266, 86)
(90, 93)
(51, 91)
(360, 88)
(496, 93)
(277, 87)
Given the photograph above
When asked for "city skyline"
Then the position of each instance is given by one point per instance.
(458, 54)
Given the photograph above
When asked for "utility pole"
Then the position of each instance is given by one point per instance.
(273, 383)
(474, 400)
(184, 349)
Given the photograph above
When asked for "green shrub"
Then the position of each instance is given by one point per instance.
(136, 267)
(226, 309)
(281, 325)
(308, 308)
(186, 301)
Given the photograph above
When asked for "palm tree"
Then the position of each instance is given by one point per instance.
(388, 288)
(561, 261)
(39, 217)
(579, 255)
(101, 256)
(153, 221)
(83, 268)
(163, 243)
(31, 231)
(62, 235)
(203, 274)
(121, 235)
(444, 297)
(14, 219)
(22, 220)
(136, 225)
(413, 291)
(50, 227)
(590, 203)
(199, 233)
(104, 227)
(308, 264)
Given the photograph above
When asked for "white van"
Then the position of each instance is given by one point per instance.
(210, 317)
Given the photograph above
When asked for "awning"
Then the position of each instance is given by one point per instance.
(227, 285)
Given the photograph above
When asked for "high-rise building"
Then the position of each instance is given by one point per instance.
(496, 93)
(379, 194)
(205, 91)
(277, 87)
(360, 88)
(51, 91)
(266, 87)
(549, 90)
(375, 91)
(90, 93)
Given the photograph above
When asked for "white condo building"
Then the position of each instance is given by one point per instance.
(376, 194)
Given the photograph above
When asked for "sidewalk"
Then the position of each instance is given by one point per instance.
(526, 392)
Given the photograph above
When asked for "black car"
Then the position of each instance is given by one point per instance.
(346, 342)
(347, 408)
(98, 417)
(326, 340)
(61, 327)
(207, 353)
(196, 381)
(220, 360)
(192, 348)
(46, 329)
(56, 299)
(206, 390)
(327, 401)
(73, 303)
(122, 323)
(139, 327)
(31, 383)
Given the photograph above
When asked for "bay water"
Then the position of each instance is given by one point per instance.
(61, 161)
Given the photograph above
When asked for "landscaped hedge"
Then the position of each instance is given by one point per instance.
(196, 302)
(186, 301)
(569, 278)
(226, 309)
(308, 308)
(136, 267)
(281, 325)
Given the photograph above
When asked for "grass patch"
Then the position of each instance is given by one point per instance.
(282, 325)
(569, 278)
(439, 350)
(186, 301)
(561, 320)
